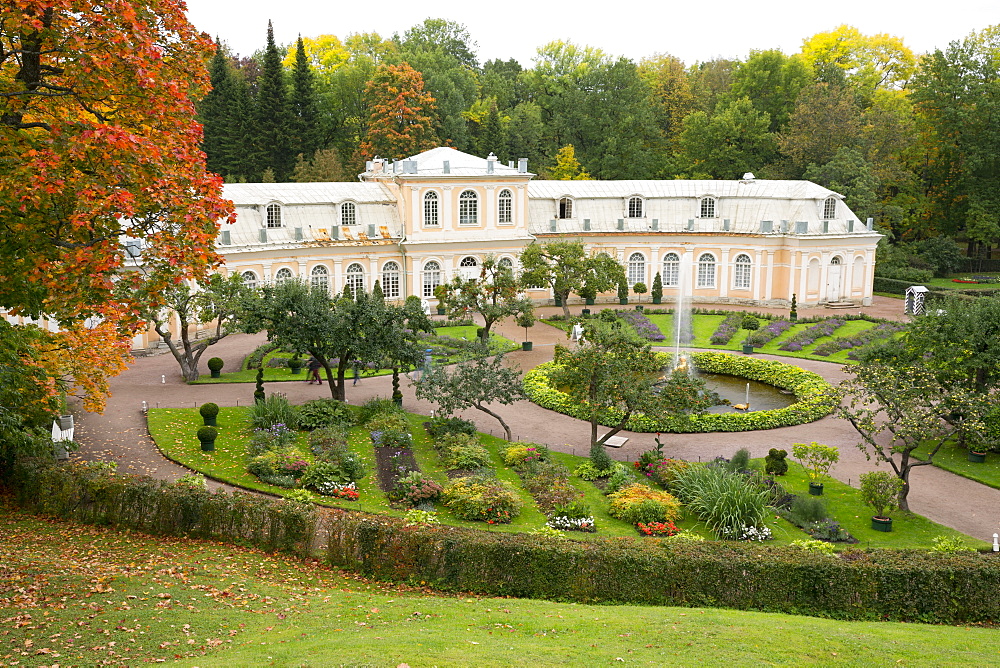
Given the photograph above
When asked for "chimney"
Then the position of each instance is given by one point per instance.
(491, 161)
(447, 166)
(522, 165)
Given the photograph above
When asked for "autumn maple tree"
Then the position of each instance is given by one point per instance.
(98, 145)
(401, 112)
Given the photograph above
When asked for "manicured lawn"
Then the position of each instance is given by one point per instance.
(174, 430)
(953, 458)
(948, 284)
(92, 596)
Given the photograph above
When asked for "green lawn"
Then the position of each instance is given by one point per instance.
(174, 431)
(953, 458)
(82, 595)
(948, 284)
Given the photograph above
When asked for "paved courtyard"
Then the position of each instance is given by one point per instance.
(120, 433)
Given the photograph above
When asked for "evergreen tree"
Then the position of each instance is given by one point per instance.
(306, 131)
(225, 114)
(494, 139)
(273, 144)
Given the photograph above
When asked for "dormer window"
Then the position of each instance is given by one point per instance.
(272, 217)
(565, 208)
(830, 208)
(636, 207)
(707, 208)
(348, 213)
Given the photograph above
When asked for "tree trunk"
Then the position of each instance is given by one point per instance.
(565, 304)
(506, 429)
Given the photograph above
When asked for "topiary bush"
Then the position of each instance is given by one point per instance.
(482, 499)
(774, 463)
(215, 364)
(207, 434)
(209, 410)
(638, 503)
(319, 413)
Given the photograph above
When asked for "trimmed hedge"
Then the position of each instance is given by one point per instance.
(815, 397)
(89, 495)
(906, 585)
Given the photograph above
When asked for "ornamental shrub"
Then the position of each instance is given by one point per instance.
(728, 502)
(319, 413)
(391, 438)
(273, 410)
(520, 453)
(215, 364)
(209, 410)
(599, 457)
(587, 471)
(275, 437)
(482, 498)
(638, 503)
(415, 488)
(441, 426)
(207, 433)
(320, 473)
(807, 509)
(468, 457)
(378, 407)
(621, 477)
(880, 490)
(816, 459)
(774, 463)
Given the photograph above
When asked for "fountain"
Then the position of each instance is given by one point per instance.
(682, 313)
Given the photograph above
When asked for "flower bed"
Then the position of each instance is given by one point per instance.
(807, 336)
(727, 329)
(769, 332)
(642, 325)
(880, 331)
(815, 397)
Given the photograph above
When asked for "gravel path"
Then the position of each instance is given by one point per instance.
(120, 433)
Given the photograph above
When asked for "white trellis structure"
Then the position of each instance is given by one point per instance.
(916, 298)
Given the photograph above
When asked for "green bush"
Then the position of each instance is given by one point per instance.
(319, 413)
(273, 410)
(207, 433)
(324, 472)
(441, 426)
(277, 437)
(621, 477)
(909, 274)
(388, 422)
(639, 503)
(215, 364)
(469, 457)
(774, 463)
(482, 498)
(209, 410)
(727, 502)
(378, 407)
(587, 470)
(517, 454)
(391, 438)
(880, 490)
(807, 509)
(329, 443)
(415, 488)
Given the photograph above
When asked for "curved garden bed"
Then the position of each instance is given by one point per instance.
(814, 397)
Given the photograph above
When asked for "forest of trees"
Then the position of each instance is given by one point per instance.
(912, 141)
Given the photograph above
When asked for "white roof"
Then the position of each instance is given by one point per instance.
(681, 188)
(249, 194)
(431, 163)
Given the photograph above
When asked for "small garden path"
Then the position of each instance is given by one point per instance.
(120, 433)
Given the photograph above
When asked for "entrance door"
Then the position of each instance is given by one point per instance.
(833, 280)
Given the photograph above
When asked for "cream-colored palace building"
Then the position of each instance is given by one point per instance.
(413, 224)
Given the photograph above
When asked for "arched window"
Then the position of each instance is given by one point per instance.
(636, 268)
(249, 279)
(273, 215)
(348, 213)
(431, 218)
(468, 268)
(284, 274)
(505, 207)
(565, 208)
(390, 280)
(835, 259)
(355, 278)
(671, 269)
(468, 208)
(505, 262)
(830, 208)
(320, 278)
(432, 277)
(635, 207)
(707, 208)
(706, 271)
(741, 272)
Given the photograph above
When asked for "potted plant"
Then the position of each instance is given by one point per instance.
(976, 457)
(751, 324)
(215, 366)
(589, 294)
(657, 290)
(793, 314)
(526, 320)
(440, 292)
(639, 289)
(209, 412)
(296, 364)
(622, 290)
(816, 459)
(206, 436)
(880, 490)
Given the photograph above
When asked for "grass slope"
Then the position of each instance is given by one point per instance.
(80, 595)
(953, 458)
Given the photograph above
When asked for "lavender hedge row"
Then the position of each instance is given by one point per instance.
(727, 329)
(882, 331)
(807, 336)
(642, 325)
(769, 332)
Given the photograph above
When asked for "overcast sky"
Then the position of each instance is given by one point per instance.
(691, 30)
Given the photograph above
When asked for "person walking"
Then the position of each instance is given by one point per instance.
(314, 367)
